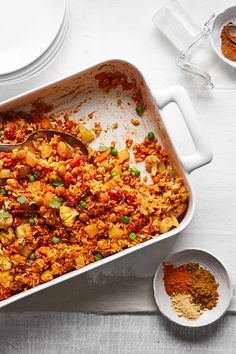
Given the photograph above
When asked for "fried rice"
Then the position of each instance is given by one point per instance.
(60, 212)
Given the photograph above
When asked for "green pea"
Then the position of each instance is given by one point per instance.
(56, 240)
(151, 135)
(32, 178)
(125, 219)
(139, 109)
(137, 173)
(83, 206)
(32, 256)
(98, 257)
(113, 174)
(3, 191)
(1, 134)
(114, 152)
(130, 169)
(132, 235)
(31, 221)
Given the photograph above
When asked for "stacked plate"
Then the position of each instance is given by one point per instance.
(32, 33)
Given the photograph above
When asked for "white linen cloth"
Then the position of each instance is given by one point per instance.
(99, 31)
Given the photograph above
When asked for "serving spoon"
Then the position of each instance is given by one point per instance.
(49, 134)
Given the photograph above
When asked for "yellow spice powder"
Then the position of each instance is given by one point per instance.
(185, 307)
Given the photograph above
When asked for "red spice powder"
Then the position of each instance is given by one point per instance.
(176, 279)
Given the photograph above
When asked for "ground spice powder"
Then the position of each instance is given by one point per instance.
(185, 307)
(176, 279)
(228, 42)
(204, 287)
(192, 289)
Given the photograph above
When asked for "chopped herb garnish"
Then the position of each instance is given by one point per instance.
(56, 203)
(88, 191)
(22, 199)
(1, 180)
(102, 148)
(32, 256)
(38, 173)
(3, 191)
(6, 203)
(31, 221)
(98, 257)
(5, 215)
(83, 205)
(57, 182)
(113, 174)
(20, 240)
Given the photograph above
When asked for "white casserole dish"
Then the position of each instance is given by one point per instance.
(79, 95)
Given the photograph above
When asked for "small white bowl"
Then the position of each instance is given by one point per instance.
(222, 19)
(210, 263)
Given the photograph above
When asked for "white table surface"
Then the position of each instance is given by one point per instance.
(105, 29)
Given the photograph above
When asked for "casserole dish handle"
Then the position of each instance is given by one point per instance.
(178, 95)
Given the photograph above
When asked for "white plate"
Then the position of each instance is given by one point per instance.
(207, 261)
(27, 29)
(222, 19)
(40, 63)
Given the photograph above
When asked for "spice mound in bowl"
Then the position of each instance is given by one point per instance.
(192, 288)
(223, 36)
(228, 41)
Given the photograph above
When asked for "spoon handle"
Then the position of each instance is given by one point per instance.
(9, 147)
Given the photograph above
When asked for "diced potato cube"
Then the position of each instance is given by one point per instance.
(174, 221)
(5, 173)
(5, 263)
(64, 150)
(34, 186)
(117, 170)
(165, 225)
(86, 135)
(123, 155)
(48, 197)
(115, 232)
(6, 222)
(30, 159)
(24, 230)
(80, 261)
(5, 278)
(91, 230)
(46, 276)
(46, 151)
